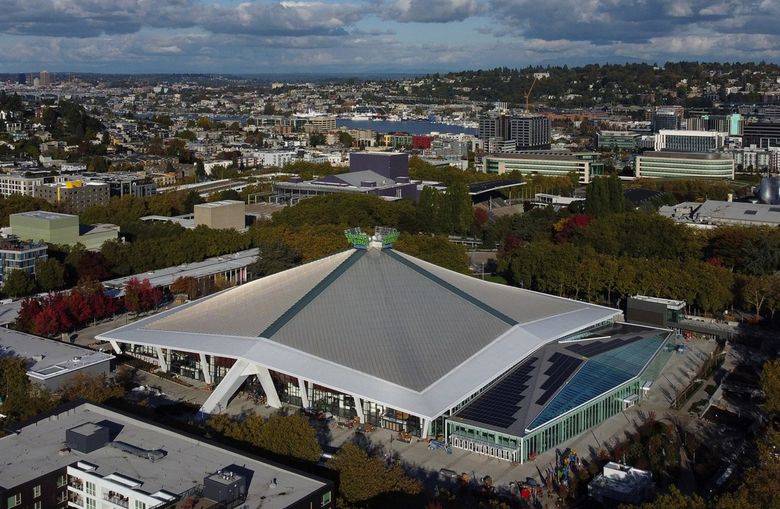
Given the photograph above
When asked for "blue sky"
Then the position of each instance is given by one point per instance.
(354, 36)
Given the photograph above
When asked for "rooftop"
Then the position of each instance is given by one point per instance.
(562, 375)
(47, 357)
(708, 156)
(217, 204)
(37, 448)
(716, 211)
(375, 323)
(209, 266)
(46, 216)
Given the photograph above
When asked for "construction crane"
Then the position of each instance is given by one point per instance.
(528, 96)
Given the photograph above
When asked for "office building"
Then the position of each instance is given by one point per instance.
(689, 141)
(51, 363)
(403, 344)
(666, 117)
(320, 123)
(44, 79)
(684, 165)
(731, 124)
(74, 195)
(762, 134)
(551, 165)
(527, 132)
(124, 184)
(64, 229)
(225, 214)
(757, 159)
(18, 255)
(25, 182)
(86, 456)
(623, 140)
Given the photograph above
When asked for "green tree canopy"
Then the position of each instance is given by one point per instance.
(18, 283)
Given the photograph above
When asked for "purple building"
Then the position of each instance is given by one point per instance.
(388, 164)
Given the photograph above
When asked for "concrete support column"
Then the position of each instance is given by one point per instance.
(264, 376)
(162, 359)
(359, 409)
(304, 394)
(219, 398)
(115, 346)
(424, 425)
(204, 367)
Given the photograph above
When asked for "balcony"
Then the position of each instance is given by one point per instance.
(117, 499)
(74, 484)
(75, 500)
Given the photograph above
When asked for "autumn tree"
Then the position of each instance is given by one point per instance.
(141, 296)
(365, 477)
(186, 285)
(289, 435)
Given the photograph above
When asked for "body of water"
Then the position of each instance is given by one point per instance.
(406, 126)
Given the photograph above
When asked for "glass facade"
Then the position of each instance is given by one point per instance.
(605, 385)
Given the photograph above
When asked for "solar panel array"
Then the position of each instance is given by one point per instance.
(498, 405)
(593, 348)
(561, 367)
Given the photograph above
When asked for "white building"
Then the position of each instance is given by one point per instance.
(689, 141)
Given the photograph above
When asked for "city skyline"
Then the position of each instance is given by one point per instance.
(343, 36)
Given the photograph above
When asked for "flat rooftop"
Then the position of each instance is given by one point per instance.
(218, 204)
(35, 449)
(43, 215)
(48, 357)
(209, 266)
(704, 156)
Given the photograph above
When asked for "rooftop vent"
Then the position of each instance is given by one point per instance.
(149, 454)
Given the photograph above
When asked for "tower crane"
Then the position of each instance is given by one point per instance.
(528, 95)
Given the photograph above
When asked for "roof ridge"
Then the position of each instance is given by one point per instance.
(304, 301)
(452, 288)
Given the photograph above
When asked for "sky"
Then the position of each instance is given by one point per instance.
(376, 36)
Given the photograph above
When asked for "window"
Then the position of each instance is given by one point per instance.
(91, 503)
(14, 500)
(36, 491)
(325, 499)
(139, 505)
(61, 480)
(90, 489)
(37, 504)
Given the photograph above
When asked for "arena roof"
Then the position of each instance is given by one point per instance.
(379, 324)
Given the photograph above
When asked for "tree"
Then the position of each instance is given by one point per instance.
(95, 388)
(141, 296)
(274, 258)
(435, 249)
(365, 477)
(289, 435)
(19, 398)
(345, 139)
(770, 383)
(185, 285)
(50, 274)
(460, 208)
(316, 139)
(675, 499)
(18, 283)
